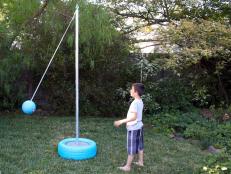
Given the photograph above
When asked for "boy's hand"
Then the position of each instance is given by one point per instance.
(117, 123)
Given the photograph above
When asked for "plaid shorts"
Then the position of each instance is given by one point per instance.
(135, 141)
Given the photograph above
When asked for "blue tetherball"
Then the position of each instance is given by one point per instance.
(28, 107)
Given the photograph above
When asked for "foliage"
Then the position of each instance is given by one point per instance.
(170, 93)
(36, 36)
(203, 58)
(11, 90)
(158, 12)
(193, 125)
(198, 40)
(174, 121)
(10, 70)
(211, 133)
(163, 89)
(217, 164)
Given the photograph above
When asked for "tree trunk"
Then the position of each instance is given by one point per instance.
(223, 91)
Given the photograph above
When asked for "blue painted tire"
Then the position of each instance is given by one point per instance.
(77, 152)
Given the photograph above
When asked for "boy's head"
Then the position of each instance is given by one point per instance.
(137, 90)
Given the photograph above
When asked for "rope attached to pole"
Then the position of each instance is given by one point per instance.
(52, 57)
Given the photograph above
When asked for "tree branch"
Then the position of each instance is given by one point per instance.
(38, 13)
(152, 45)
(134, 29)
(145, 40)
(31, 20)
(141, 16)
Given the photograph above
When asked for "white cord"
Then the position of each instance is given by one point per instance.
(52, 57)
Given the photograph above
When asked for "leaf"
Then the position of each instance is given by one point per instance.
(70, 40)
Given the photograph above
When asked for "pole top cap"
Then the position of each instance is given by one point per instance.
(77, 6)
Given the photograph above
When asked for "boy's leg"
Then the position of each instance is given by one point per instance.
(132, 149)
(141, 158)
(141, 149)
(127, 167)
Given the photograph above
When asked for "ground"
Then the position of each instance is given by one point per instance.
(28, 144)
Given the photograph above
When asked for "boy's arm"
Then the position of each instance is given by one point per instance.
(133, 117)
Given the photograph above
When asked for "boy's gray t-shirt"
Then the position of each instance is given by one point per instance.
(136, 106)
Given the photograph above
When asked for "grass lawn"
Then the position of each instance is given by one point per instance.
(29, 145)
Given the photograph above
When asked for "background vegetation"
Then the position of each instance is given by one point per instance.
(187, 79)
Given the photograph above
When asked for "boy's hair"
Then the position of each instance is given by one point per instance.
(139, 88)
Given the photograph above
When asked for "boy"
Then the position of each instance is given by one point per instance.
(134, 127)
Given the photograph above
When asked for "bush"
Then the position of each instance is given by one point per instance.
(174, 121)
(217, 164)
(193, 125)
(211, 133)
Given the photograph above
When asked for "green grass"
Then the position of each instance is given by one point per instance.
(29, 145)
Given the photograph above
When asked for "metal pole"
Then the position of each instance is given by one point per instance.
(141, 68)
(77, 70)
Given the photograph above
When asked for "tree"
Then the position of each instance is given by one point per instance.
(36, 27)
(146, 13)
(200, 16)
(203, 57)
